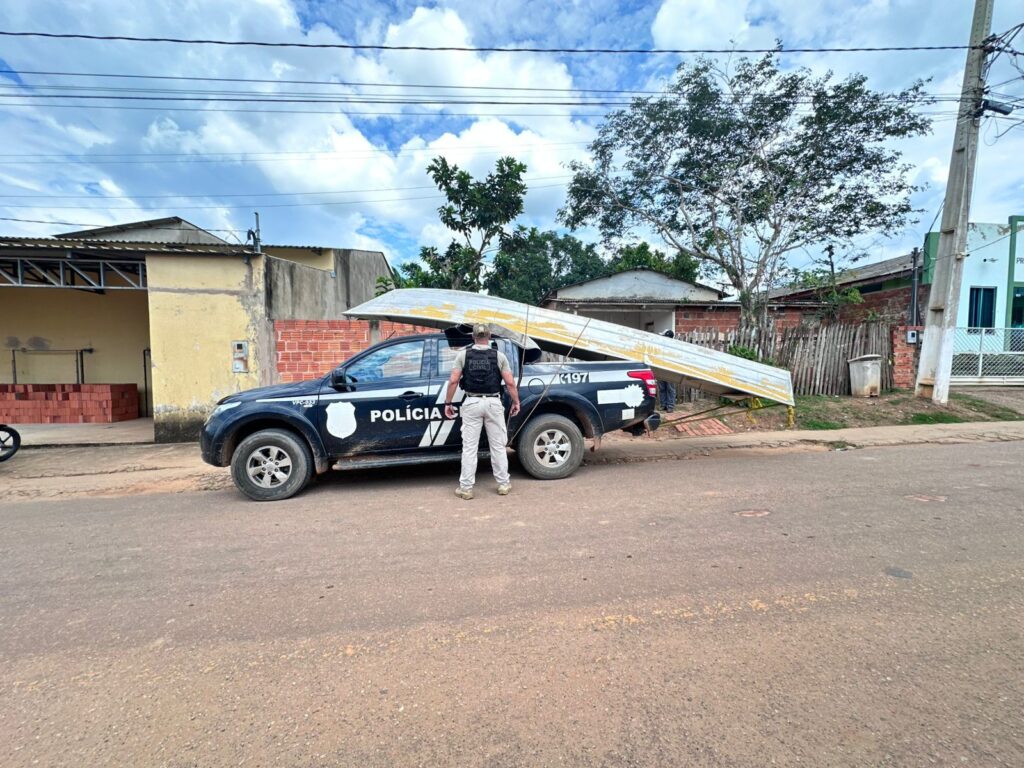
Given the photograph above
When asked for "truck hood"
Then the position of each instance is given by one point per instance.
(295, 389)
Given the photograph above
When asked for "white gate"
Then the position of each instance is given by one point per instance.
(988, 356)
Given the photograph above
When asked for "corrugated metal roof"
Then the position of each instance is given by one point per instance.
(886, 268)
(560, 332)
(63, 245)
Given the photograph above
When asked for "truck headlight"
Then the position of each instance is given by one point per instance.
(223, 407)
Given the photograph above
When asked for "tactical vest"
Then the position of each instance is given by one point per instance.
(481, 375)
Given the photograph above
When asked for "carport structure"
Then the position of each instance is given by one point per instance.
(167, 309)
(75, 313)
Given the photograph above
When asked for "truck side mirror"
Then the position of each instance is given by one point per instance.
(341, 380)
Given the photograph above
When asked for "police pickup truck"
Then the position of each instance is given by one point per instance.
(385, 407)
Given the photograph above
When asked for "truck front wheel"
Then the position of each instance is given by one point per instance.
(550, 447)
(271, 465)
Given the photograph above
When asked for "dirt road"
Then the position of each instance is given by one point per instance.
(842, 608)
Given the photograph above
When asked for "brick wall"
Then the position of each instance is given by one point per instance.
(905, 356)
(309, 349)
(891, 306)
(728, 318)
(68, 403)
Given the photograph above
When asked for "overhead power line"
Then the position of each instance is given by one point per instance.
(528, 179)
(333, 83)
(474, 49)
(507, 146)
(339, 112)
(80, 224)
(436, 196)
(338, 83)
(283, 99)
(360, 113)
(46, 90)
(273, 157)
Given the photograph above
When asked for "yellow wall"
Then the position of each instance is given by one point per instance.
(114, 324)
(198, 306)
(321, 258)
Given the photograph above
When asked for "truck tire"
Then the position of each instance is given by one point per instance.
(271, 465)
(550, 447)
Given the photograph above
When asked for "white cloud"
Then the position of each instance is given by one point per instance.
(384, 153)
(708, 24)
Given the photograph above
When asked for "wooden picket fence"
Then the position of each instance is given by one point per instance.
(816, 355)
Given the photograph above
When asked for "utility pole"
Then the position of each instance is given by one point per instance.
(914, 290)
(940, 322)
(254, 235)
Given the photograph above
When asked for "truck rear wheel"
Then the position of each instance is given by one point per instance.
(271, 465)
(550, 447)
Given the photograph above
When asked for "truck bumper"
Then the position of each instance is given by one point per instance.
(210, 448)
(644, 427)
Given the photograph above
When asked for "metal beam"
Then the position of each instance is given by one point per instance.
(78, 274)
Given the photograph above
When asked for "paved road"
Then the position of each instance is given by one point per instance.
(846, 608)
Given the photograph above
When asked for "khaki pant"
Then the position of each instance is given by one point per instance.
(489, 413)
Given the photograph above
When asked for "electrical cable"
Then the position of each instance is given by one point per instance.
(100, 226)
(314, 111)
(475, 49)
(250, 194)
(286, 155)
(340, 83)
(261, 206)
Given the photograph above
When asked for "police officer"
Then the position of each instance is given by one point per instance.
(666, 389)
(481, 370)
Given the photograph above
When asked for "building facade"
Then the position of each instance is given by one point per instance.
(181, 315)
(988, 343)
(992, 286)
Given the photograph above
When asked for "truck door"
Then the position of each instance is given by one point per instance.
(384, 404)
(445, 434)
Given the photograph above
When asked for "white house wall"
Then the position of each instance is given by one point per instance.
(986, 267)
(637, 284)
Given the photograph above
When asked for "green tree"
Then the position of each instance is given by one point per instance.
(575, 261)
(823, 278)
(477, 211)
(682, 266)
(739, 168)
(532, 263)
(523, 269)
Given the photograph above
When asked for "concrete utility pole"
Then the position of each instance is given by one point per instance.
(940, 323)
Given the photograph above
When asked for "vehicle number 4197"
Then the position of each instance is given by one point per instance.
(574, 378)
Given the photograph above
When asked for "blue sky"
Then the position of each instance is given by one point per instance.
(100, 166)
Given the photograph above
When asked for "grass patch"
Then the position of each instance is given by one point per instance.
(938, 417)
(993, 411)
(820, 424)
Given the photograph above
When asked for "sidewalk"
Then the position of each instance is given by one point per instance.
(617, 449)
(116, 470)
(53, 435)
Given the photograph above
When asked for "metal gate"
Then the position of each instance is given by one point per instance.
(988, 356)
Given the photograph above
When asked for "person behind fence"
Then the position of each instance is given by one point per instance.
(480, 370)
(666, 389)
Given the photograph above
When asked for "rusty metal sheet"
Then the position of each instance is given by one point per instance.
(672, 360)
